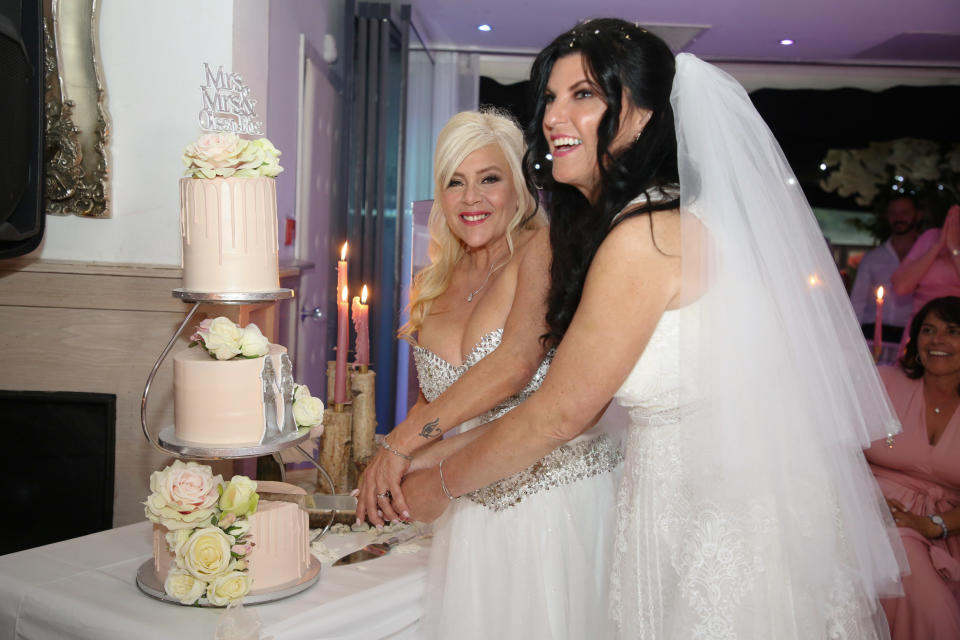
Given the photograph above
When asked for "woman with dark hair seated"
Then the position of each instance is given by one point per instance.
(919, 473)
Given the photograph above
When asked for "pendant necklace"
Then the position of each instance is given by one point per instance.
(485, 280)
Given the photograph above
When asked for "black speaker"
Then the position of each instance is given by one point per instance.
(21, 126)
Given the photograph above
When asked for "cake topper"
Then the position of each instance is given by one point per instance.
(227, 104)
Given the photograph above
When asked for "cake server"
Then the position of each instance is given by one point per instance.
(377, 549)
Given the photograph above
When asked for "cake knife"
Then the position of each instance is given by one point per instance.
(377, 549)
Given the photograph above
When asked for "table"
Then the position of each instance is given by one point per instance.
(85, 588)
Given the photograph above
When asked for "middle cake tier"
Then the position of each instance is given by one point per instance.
(225, 402)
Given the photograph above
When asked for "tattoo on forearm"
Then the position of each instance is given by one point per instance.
(430, 430)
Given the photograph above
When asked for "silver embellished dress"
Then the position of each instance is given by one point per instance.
(529, 556)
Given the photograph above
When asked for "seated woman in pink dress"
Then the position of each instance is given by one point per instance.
(932, 267)
(919, 473)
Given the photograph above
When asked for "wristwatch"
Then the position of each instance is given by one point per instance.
(943, 525)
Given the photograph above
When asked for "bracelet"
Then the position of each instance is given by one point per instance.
(443, 484)
(938, 520)
(386, 445)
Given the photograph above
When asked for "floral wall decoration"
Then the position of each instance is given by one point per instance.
(927, 170)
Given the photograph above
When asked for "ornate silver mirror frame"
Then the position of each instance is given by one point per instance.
(77, 126)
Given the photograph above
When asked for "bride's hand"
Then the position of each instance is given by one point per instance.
(424, 495)
(379, 496)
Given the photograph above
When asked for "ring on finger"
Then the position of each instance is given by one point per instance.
(385, 494)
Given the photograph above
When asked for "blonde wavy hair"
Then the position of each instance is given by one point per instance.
(464, 133)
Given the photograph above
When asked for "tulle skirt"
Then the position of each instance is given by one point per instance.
(539, 569)
(690, 563)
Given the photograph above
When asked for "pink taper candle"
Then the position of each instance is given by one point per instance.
(342, 269)
(361, 324)
(878, 326)
(343, 337)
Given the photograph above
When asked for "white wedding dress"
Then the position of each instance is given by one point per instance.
(527, 557)
(689, 563)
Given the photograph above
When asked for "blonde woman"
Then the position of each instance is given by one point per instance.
(477, 316)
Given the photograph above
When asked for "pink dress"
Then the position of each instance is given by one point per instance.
(925, 478)
(940, 280)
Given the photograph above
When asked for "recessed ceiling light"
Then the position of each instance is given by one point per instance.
(484, 27)
(786, 42)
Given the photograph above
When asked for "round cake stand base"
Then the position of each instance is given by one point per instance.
(233, 297)
(149, 583)
(168, 441)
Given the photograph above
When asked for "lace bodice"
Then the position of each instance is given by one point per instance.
(652, 390)
(585, 457)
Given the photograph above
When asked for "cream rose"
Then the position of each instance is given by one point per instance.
(214, 155)
(183, 586)
(184, 495)
(240, 496)
(206, 554)
(253, 343)
(307, 411)
(300, 391)
(223, 338)
(228, 588)
(176, 538)
(239, 528)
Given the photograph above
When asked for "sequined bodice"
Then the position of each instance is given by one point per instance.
(568, 463)
(436, 374)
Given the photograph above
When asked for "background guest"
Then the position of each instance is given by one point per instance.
(878, 266)
(918, 473)
(932, 267)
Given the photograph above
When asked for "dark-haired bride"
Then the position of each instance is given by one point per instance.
(691, 284)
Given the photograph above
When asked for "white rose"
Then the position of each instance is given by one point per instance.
(300, 391)
(184, 495)
(228, 588)
(206, 554)
(176, 538)
(223, 338)
(183, 586)
(240, 496)
(253, 343)
(239, 528)
(308, 412)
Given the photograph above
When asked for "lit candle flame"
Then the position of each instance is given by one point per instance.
(880, 293)
(363, 295)
(814, 280)
(343, 252)
(343, 294)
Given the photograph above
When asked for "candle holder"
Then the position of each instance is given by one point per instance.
(363, 389)
(335, 448)
(348, 442)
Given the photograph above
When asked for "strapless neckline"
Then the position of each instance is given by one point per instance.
(471, 357)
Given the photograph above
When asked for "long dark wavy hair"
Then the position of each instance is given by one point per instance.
(618, 57)
(947, 309)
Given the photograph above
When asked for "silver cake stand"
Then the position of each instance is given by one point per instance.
(194, 450)
(149, 582)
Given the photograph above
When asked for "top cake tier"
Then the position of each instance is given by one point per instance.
(228, 227)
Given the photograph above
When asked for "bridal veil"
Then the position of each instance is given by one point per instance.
(782, 394)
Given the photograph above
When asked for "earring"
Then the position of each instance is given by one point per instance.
(639, 133)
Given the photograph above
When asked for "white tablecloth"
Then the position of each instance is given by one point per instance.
(86, 588)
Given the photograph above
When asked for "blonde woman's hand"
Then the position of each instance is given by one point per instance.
(380, 498)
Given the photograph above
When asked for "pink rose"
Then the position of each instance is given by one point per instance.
(184, 494)
(202, 330)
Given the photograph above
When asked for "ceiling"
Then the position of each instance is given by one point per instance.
(923, 33)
